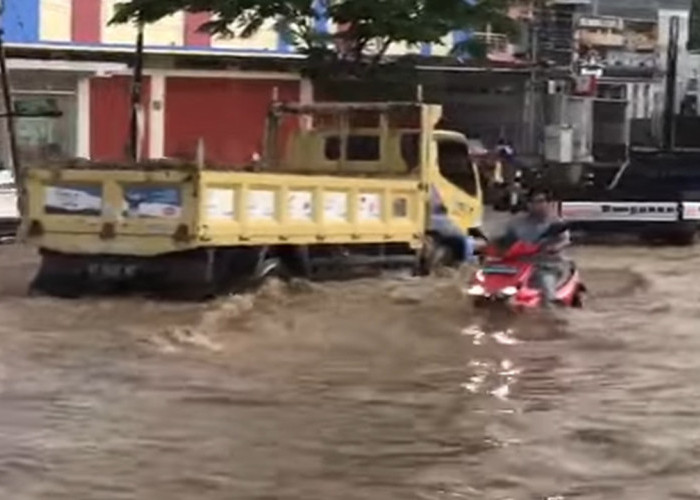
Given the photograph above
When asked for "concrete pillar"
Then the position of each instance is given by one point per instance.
(83, 118)
(156, 116)
(306, 96)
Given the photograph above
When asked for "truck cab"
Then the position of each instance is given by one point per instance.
(456, 196)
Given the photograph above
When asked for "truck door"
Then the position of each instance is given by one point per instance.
(458, 185)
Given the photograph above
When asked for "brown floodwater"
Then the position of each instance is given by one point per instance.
(371, 390)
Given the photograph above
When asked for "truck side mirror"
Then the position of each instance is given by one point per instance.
(476, 232)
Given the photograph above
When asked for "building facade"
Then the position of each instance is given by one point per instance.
(64, 54)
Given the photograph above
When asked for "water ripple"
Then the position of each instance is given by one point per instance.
(382, 389)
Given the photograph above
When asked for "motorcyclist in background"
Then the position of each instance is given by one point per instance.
(528, 228)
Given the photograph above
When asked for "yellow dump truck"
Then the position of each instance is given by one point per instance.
(338, 187)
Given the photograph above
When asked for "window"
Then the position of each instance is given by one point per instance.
(332, 148)
(456, 166)
(358, 148)
(45, 137)
(363, 148)
(48, 101)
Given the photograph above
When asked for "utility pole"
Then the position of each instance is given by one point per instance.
(10, 121)
(136, 95)
(535, 81)
(669, 116)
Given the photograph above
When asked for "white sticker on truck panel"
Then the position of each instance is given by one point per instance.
(73, 200)
(261, 204)
(221, 203)
(691, 210)
(8, 204)
(370, 207)
(335, 206)
(619, 211)
(300, 205)
(152, 202)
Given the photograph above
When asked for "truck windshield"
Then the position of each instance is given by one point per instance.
(456, 166)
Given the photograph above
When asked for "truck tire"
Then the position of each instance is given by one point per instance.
(685, 236)
(59, 276)
(296, 260)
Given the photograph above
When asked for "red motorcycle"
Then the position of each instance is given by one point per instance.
(508, 276)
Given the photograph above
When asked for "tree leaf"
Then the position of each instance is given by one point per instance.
(368, 27)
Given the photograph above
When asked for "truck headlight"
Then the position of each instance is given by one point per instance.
(509, 291)
(476, 290)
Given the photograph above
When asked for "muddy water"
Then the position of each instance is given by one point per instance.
(373, 390)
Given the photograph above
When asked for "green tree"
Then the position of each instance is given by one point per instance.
(370, 27)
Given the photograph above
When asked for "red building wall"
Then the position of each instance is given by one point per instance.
(110, 117)
(85, 21)
(228, 114)
(193, 36)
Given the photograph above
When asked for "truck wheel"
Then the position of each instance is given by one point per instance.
(57, 287)
(295, 261)
(685, 236)
(55, 278)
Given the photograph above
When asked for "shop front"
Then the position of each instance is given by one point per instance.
(54, 99)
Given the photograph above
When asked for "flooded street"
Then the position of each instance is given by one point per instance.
(371, 390)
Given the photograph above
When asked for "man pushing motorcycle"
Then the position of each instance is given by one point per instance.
(550, 264)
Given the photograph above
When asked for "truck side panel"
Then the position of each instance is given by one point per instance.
(110, 211)
(129, 212)
(259, 209)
